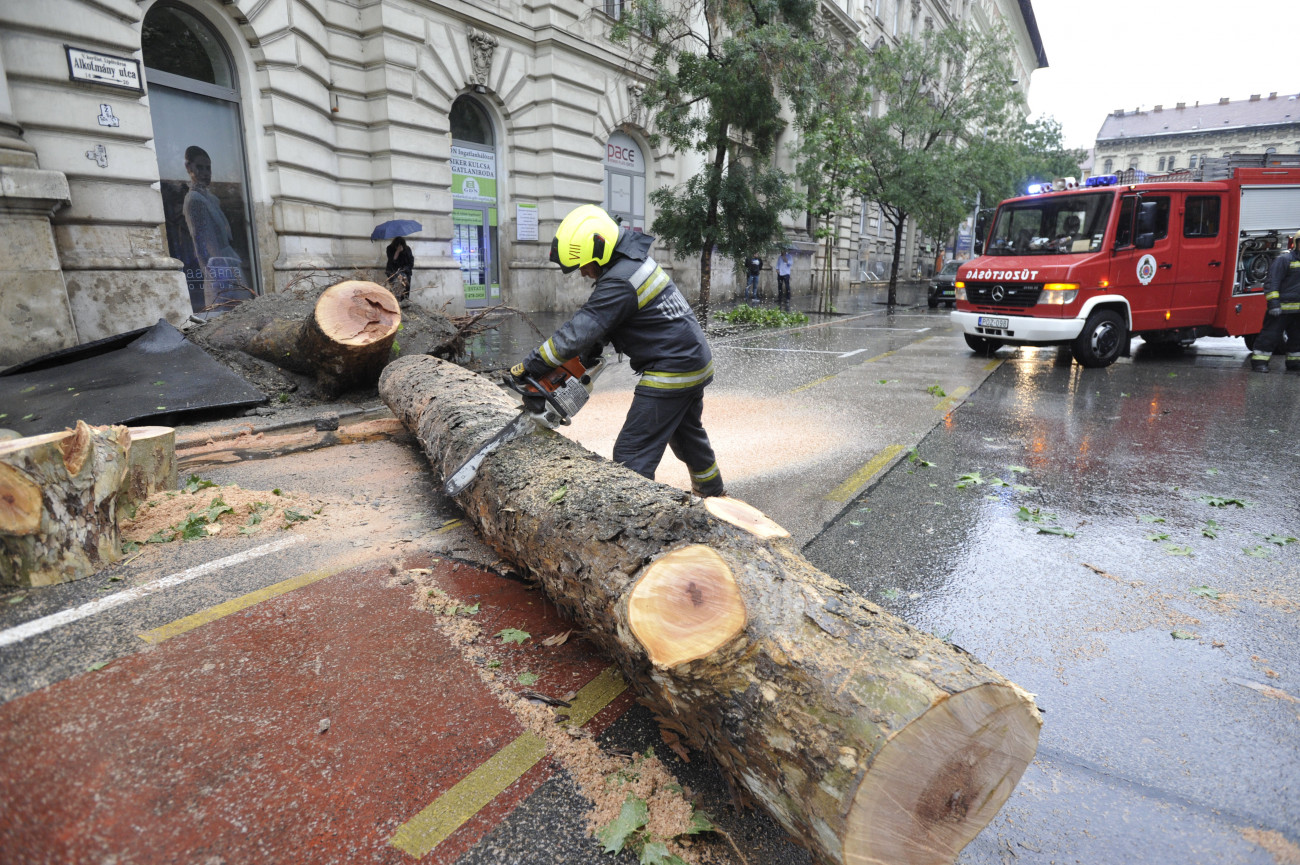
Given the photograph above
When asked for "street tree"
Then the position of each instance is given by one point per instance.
(932, 96)
(829, 160)
(721, 71)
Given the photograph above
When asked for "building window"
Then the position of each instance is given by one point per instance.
(194, 104)
(1161, 166)
(625, 181)
(1191, 161)
(1132, 162)
(1201, 216)
(1109, 166)
(898, 14)
(1170, 166)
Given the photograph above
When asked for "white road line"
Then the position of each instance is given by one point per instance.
(21, 632)
(851, 353)
(787, 350)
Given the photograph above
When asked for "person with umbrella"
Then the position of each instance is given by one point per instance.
(401, 261)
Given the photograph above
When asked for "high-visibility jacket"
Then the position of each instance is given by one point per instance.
(1284, 282)
(638, 309)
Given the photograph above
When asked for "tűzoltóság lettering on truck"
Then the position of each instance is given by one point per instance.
(1168, 258)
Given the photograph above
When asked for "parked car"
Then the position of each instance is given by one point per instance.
(942, 286)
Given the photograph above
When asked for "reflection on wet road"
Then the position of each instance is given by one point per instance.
(1121, 543)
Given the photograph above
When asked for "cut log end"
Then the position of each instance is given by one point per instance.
(76, 448)
(355, 312)
(745, 516)
(685, 606)
(20, 502)
(942, 778)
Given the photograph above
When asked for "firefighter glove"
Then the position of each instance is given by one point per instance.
(1275, 310)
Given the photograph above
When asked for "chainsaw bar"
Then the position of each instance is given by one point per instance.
(461, 478)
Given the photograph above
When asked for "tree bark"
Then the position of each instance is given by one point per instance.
(151, 465)
(58, 504)
(869, 741)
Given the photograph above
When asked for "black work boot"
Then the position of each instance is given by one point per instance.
(1292, 365)
(1258, 365)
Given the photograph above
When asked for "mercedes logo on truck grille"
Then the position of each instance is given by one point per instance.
(998, 294)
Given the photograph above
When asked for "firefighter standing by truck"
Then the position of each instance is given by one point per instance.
(1283, 316)
(636, 307)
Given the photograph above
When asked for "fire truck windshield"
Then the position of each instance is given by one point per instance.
(1051, 225)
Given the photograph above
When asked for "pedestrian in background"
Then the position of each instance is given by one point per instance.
(753, 265)
(1283, 316)
(400, 266)
(784, 264)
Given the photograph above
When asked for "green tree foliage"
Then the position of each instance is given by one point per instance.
(720, 71)
(829, 157)
(933, 99)
(1021, 153)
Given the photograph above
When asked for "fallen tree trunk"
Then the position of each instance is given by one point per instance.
(58, 504)
(343, 342)
(869, 741)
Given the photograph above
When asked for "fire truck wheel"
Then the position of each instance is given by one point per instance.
(982, 344)
(1102, 339)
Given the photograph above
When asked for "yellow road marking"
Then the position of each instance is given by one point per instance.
(991, 364)
(858, 479)
(945, 405)
(426, 830)
(211, 614)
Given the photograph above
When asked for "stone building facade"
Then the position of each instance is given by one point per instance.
(160, 157)
(1163, 139)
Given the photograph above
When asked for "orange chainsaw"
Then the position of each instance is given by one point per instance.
(549, 401)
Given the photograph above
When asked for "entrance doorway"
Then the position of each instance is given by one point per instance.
(474, 202)
(472, 247)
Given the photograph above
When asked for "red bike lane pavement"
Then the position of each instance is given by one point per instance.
(306, 727)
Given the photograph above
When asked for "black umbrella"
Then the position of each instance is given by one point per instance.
(395, 228)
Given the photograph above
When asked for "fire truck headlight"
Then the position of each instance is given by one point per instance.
(960, 290)
(1059, 293)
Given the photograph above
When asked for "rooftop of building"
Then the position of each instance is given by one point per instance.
(1226, 114)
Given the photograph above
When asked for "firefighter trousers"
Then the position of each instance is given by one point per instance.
(1271, 337)
(656, 422)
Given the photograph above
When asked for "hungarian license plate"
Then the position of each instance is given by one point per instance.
(985, 321)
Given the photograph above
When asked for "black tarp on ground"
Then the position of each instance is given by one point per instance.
(153, 375)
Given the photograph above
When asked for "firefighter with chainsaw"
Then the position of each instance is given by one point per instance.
(1283, 316)
(635, 307)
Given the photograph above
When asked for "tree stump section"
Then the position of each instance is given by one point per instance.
(151, 466)
(58, 504)
(868, 740)
(344, 343)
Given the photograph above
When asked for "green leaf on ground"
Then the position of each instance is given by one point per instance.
(558, 495)
(513, 635)
(1211, 472)
(1055, 530)
(1020, 470)
(527, 679)
(276, 492)
(1211, 529)
(1157, 536)
(16, 599)
(471, 610)
(914, 457)
(1221, 502)
(291, 516)
(1034, 515)
(632, 817)
(998, 482)
(1150, 518)
(855, 522)
(889, 594)
(494, 664)
(98, 665)
(1280, 540)
(194, 483)
(1024, 488)
(1259, 551)
(1205, 592)
(656, 853)
(1182, 635)
(970, 479)
(700, 822)
(1177, 550)
(935, 390)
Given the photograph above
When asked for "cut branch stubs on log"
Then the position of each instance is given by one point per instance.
(868, 740)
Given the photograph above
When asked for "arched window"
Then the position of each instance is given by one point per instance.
(1110, 166)
(474, 201)
(194, 103)
(625, 181)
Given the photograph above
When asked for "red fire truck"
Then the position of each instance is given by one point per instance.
(1168, 258)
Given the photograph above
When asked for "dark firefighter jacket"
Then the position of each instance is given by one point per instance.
(1284, 282)
(637, 308)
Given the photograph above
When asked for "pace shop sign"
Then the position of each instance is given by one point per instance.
(103, 69)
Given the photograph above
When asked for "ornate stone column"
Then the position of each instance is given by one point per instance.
(35, 316)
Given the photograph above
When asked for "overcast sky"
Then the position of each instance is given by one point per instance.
(1108, 54)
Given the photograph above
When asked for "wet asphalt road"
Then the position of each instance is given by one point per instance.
(1160, 638)
(1154, 748)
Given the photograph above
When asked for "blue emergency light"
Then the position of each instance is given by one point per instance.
(1102, 180)
(1038, 188)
